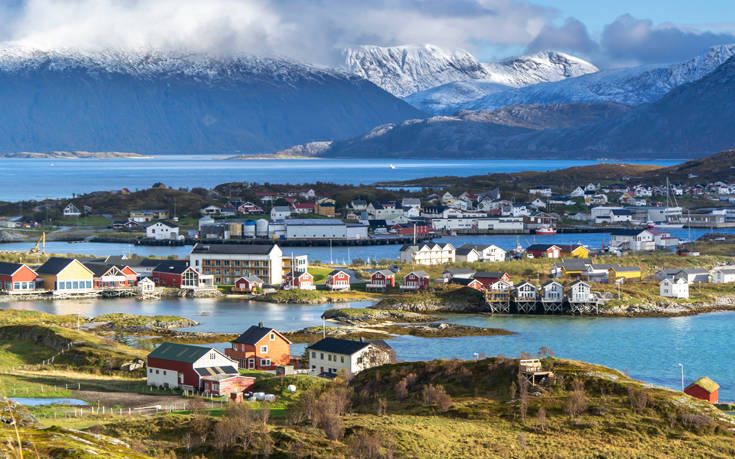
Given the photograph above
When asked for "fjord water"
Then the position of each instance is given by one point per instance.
(23, 179)
(345, 254)
(648, 348)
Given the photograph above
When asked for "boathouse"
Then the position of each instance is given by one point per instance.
(704, 389)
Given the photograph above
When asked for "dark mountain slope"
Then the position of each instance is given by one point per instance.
(164, 105)
(470, 134)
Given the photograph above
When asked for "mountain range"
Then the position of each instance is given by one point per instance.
(630, 86)
(167, 103)
(405, 70)
(693, 119)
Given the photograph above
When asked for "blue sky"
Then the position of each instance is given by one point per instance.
(608, 33)
(709, 14)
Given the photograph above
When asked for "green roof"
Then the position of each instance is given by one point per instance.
(706, 384)
(179, 352)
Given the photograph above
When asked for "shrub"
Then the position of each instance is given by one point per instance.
(577, 400)
(541, 419)
(401, 389)
(696, 422)
(639, 399)
(436, 395)
(365, 445)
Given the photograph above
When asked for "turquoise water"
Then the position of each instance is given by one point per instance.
(648, 349)
(48, 401)
(22, 179)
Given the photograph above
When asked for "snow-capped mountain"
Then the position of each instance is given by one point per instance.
(405, 70)
(541, 67)
(151, 102)
(630, 86)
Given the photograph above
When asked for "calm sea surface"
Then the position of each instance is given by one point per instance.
(22, 179)
(649, 349)
(342, 254)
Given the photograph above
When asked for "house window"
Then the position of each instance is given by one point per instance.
(150, 370)
(164, 372)
(156, 371)
(313, 354)
(211, 356)
(263, 349)
(342, 359)
(265, 362)
(273, 336)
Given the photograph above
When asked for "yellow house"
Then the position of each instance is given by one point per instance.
(66, 275)
(616, 273)
(574, 251)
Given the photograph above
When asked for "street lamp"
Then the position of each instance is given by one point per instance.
(477, 356)
(681, 365)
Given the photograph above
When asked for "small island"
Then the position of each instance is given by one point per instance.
(74, 155)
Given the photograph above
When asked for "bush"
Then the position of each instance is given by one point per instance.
(577, 400)
(365, 445)
(436, 395)
(639, 399)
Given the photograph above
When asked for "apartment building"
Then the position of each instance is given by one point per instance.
(229, 262)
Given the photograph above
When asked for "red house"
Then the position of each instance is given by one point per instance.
(381, 280)
(260, 348)
(173, 365)
(227, 384)
(416, 280)
(17, 278)
(489, 278)
(543, 250)
(248, 284)
(338, 280)
(470, 283)
(406, 229)
(704, 389)
(301, 281)
(175, 274)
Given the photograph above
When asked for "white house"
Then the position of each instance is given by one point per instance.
(211, 211)
(490, 252)
(579, 292)
(541, 191)
(330, 355)
(280, 212)
(552, 292)
(723, 275)
(426, 254)
(468, 254)
(161, 231)
(674, 288)
(71, 210)
(635, 240)
(145, 285)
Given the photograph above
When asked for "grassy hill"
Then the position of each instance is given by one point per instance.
(454, 408)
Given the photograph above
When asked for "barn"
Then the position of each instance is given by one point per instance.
(184, 366)
(704, 389)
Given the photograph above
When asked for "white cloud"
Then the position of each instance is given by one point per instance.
(307, 29)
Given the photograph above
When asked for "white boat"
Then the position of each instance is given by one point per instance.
(546, 230)
(665, 225)
(392, 166)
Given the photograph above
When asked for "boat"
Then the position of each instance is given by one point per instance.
(391, 166)
(665, 225)
(546, 230)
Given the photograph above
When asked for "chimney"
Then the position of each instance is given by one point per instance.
(260, 324)
(362, 340)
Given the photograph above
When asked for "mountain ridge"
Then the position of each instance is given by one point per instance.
(172, 103)
(407, 69)
(630, 86)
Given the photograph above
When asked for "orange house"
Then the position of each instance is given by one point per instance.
(260, 348)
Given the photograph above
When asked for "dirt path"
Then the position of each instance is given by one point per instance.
(129, 399)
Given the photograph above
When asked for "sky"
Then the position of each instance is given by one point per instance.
(609, 33)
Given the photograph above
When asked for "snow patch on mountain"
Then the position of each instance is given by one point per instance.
(154, 64)
(405, 70)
